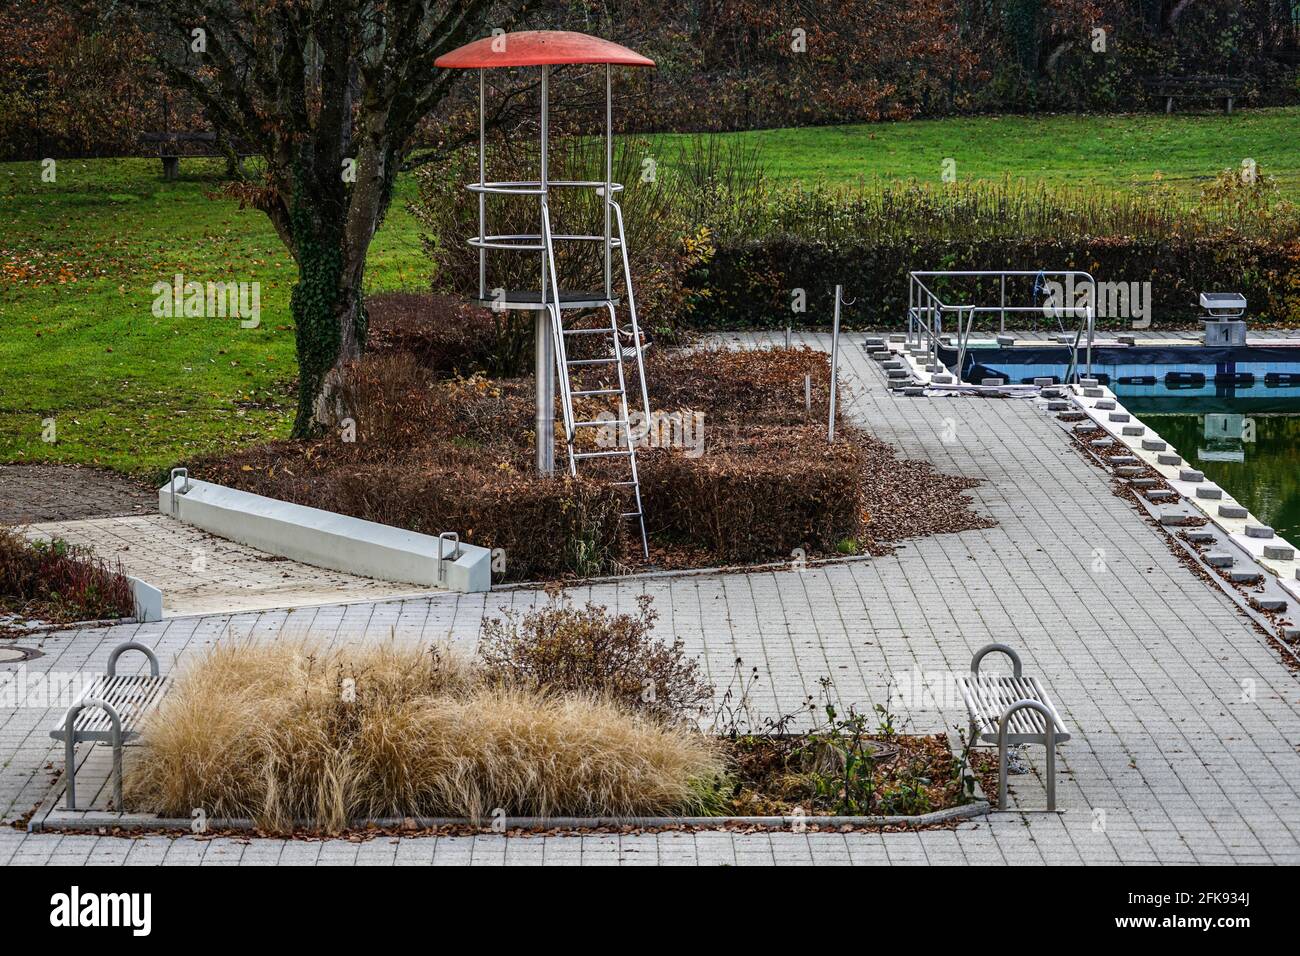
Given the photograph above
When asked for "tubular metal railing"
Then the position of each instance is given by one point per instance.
(926, 311)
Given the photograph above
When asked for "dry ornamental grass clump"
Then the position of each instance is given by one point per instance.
(298, 734)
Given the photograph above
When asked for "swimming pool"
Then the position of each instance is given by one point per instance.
(1233, 413)
(1253, 454)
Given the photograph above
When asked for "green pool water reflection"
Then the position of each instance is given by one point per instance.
(1255, 457)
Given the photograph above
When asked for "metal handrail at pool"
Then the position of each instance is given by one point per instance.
(925, 310)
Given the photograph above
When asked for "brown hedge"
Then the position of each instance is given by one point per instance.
(546, 529)
(456, 454)
(757, 496)
(443, 334)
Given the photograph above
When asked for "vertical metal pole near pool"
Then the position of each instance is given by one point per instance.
(835, 365)
(1002, 316)
(544, 349)
(1091, 326)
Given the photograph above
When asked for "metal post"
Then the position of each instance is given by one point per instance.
(935, 332)
(911, 306)
(1002, 320)
(1091, 326)
(609, 181)
(835, 365)
(543, 349)
(482, 196)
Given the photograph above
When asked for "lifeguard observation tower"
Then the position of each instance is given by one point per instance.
(544, 49)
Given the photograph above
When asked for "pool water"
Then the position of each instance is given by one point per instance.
(1253, 455)
(1232, 412)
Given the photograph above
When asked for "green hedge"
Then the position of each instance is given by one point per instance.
(750, 285)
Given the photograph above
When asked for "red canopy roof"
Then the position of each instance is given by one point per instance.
(538, 48)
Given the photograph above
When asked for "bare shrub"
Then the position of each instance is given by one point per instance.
(447, 336)
(563, 649)
(390, 398)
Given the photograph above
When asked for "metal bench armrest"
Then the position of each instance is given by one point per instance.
(70, 745)
(132, 646)
(1049, 742)
(989, 649)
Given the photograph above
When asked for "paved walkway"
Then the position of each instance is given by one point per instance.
(1186, 722)
(199, 573)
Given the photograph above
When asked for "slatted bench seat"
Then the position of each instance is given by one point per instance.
(1011, 710)
(1171, 88)
(109, 711)
(171, 144)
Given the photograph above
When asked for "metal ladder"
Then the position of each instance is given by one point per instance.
(625, 447)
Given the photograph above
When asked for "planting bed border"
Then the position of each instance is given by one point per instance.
(51, 817)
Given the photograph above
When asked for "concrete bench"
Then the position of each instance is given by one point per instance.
(325, 539)
(109, 711)
(1011, 710)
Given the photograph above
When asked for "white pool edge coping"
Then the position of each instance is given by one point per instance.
(1286, 572)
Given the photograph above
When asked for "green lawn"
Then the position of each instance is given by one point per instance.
(78, 260)
(79, 257)
(1108, 151)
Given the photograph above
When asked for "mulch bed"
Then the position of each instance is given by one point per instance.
(440, 446)
(782, 775)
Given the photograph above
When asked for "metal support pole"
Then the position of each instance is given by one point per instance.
(835, 365)
(1002, 320)
(911, 307)
(609, 181)
(543, 348)
(482, 197)
(935, 332)
(1091, 327)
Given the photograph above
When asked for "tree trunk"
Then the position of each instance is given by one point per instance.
(330, 322)
(332, 228)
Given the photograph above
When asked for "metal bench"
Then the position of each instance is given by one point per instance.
(109, 711)
(1011, 710)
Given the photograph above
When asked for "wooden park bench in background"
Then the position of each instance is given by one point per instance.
(1212, 88)
(170, 146)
